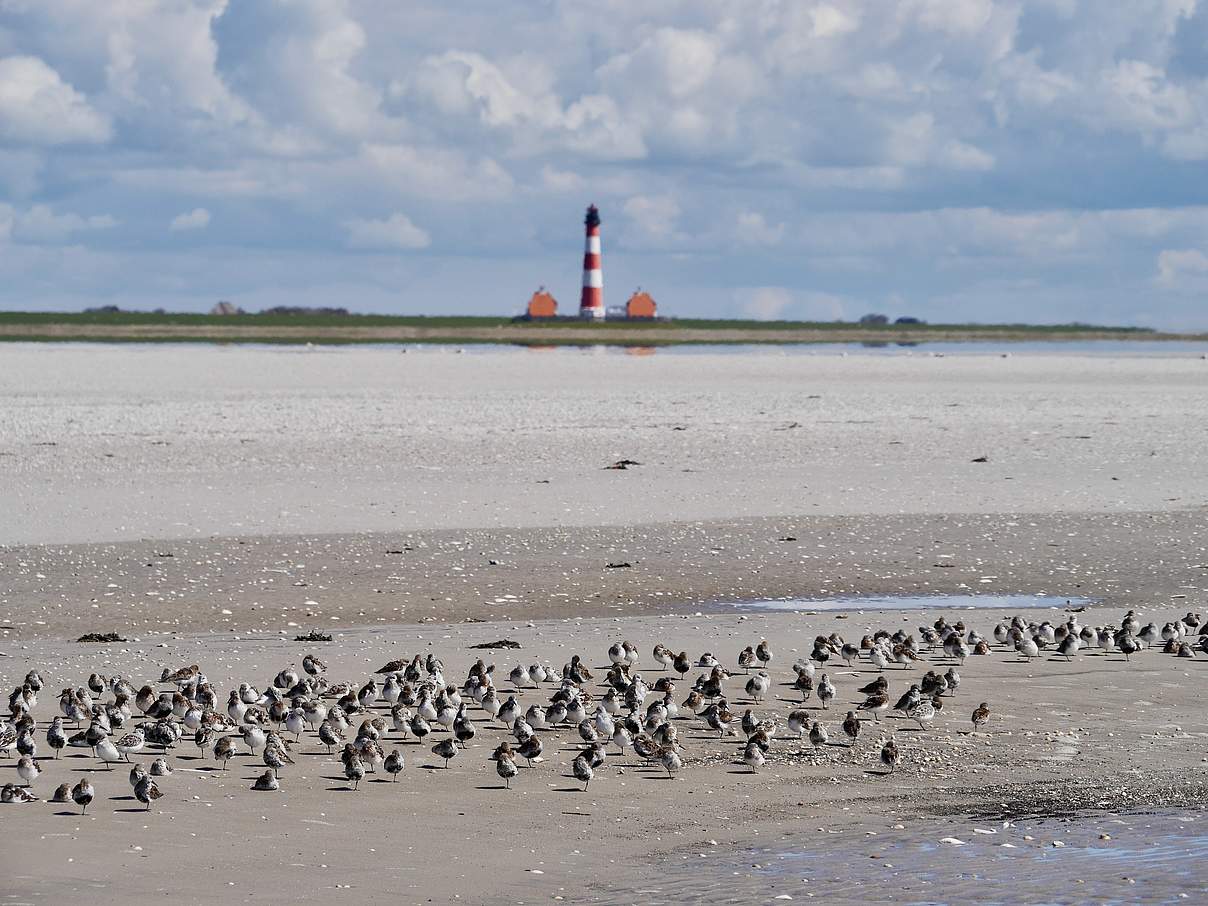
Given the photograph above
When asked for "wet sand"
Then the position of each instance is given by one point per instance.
(210, 503)
(1096, 732)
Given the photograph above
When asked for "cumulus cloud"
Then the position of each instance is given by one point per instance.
(753, 229)
(1177, 267)
(196, 219)
(37, 107)
(395, 232)
(653, 216)
(42, 224)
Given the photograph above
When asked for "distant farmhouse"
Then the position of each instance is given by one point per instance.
(542, 306)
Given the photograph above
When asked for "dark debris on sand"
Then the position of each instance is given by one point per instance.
(100, 637)
(313, 636)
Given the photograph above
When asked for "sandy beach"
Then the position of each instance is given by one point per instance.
(210, 503)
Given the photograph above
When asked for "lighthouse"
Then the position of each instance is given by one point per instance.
(591, 303)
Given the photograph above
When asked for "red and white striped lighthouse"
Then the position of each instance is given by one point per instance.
(591, 303)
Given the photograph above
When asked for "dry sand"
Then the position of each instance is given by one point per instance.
(365, 491)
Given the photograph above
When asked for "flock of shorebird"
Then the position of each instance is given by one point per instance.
(605, 707)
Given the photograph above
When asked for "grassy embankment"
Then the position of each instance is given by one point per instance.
(335, 329)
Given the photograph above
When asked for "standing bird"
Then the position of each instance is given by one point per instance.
(877, 703)
(826, 691)
(28, 770)
(762, 652)
(82, 794)
(746, 659)
(663, 656)
(146, 791)
(506, 769)
(981, 715)
(446, 749)
(354, 767)
(670, 761)
(890, 756)
(818, 734)
(55, 737)
(851, 727)
(131, 742)
(224, 748)
(758, 685)
(581, 768)
(752, 756)
(393, 764)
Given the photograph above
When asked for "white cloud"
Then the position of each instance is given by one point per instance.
(753, 229)
(441, 174)
(654, 216)
(1177, 266)
(41, 224)
(37, 107)
(395, 232)
(196, 219)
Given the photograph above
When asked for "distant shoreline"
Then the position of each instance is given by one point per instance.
(134, 327)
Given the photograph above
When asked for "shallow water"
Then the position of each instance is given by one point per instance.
(913, 602)
(1152, 858)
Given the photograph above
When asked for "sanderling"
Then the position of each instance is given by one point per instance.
(752, 756)
(851, 727)
(670, 760)
(758, 685)
(446, 749)
(818, 735)
(131, 743)
(506, 769)
(763, 652)
(581, 768)
(55, 737)
(27, 769)
(224, 748)
(981, 715)
(393, 765)
(877, 703)
(826, 691)
(890, 756)
(13, 793)
(160, 767)
(747, 659)
(146, 791)
(267, 782)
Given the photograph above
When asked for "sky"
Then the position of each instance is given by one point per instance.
(955, 160)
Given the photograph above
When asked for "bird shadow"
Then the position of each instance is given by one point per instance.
(492, 786)
(568, 789)
(340, 789)
(68, 814)
(136, 811)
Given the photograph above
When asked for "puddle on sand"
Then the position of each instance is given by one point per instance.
(1152, 858)
(914, 602)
